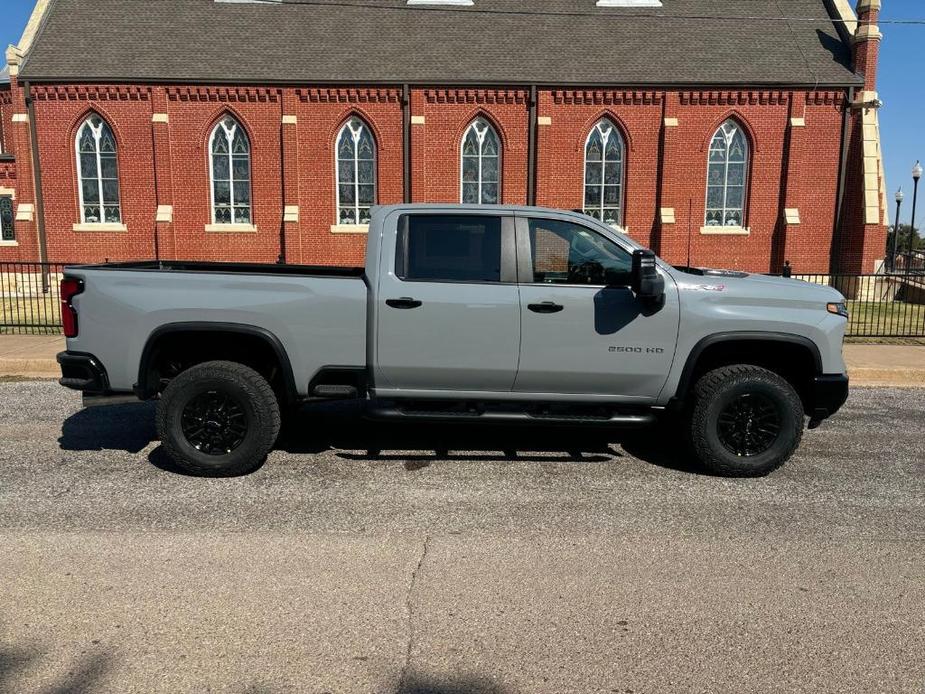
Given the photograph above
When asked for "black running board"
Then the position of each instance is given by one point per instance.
(615, 420)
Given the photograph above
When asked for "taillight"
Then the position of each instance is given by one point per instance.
(70, 288)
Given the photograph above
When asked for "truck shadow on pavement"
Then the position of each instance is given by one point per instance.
(354, 438)
(127, 428)
(84, 675)
(473, 685)
(342, 429)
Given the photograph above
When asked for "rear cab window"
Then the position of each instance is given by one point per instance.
(450, 248)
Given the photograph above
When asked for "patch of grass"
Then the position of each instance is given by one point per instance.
(39, 313)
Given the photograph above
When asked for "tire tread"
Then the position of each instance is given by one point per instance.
(265, 404)
(708, 388)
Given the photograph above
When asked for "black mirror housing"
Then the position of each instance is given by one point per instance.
(648, 285)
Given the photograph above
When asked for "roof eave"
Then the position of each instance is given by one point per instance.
(854, 81)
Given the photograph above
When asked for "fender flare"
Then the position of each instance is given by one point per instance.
(144, 390)
(687, 374)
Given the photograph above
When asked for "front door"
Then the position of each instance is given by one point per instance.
(583, 330)
(448, 313)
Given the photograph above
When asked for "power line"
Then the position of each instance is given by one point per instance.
(595, 15)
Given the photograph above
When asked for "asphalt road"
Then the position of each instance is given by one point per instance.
(579, 565)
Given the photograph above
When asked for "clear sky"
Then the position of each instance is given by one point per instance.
(901, 87)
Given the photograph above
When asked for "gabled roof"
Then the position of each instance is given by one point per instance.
(5, 74)
(547, 42)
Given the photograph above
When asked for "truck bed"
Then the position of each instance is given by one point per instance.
(318, 314)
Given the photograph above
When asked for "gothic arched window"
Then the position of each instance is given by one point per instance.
(604, 173)
(727, 171)
(356, 172)
(98, 173)
(481, 164)
(230, 159)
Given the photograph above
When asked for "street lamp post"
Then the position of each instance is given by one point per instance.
(899, 204)
(916, 175)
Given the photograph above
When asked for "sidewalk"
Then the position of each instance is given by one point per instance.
(29, 356)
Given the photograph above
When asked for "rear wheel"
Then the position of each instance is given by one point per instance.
(746, 421)
(218, 419)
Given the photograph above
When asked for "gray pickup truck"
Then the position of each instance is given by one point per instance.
(494, 313)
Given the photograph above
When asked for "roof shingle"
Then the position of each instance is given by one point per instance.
(547, 42)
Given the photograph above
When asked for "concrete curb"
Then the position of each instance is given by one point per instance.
(860, 376)
(29, 368)
(891, 378)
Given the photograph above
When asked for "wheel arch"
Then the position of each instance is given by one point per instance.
(146, 386)
(767, 349)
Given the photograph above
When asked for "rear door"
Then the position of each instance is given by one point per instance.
(448, 310)
(583, 330)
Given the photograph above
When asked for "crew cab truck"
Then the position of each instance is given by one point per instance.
(482, 313)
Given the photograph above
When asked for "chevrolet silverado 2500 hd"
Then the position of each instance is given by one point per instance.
(464, 313)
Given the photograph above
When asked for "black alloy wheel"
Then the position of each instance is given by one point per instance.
(218, 419)
(214, 423)
(749, 425)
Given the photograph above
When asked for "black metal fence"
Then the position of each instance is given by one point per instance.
(29, 298)
(884, 305)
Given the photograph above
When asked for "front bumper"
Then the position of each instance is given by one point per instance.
(829, 394)
(83, 372)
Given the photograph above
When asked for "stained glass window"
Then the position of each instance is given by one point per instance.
(230, 154)
(481, 164)
(356, 172)
(727, 170)
(98, 173)
(604, 173)
(6, 219)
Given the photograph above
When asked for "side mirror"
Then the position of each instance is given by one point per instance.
(648, 285)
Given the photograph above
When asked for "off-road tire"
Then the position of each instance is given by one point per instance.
(715, 391)
(248, 390)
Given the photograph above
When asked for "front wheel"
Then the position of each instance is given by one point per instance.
(746, 421)
(218, 419)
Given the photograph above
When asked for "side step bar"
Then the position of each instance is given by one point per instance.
(619, 420)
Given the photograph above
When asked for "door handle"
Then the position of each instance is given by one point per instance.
(546, 307)
(404, 302)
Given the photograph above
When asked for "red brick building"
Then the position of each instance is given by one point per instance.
(718, 132)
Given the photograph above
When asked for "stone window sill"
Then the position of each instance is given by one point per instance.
(726, 231)
(100, 227)
(350, 228)
(4, 244)
(231, 228)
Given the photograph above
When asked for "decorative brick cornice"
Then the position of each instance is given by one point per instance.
(604, 97)
(8, 170)
(6, 97)
(91, 93)
(333, 95)
(825, 98)
(476, 96)
(223, 94)
(734, 98)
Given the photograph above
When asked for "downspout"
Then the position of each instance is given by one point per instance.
(835, 252)
(281, 258)
(157, 195)
(406, 141)
(531, 149)
(36, 176)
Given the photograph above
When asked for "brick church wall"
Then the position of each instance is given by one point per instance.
(163, 131)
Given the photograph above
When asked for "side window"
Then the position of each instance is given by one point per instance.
(6, 219)
(567, 253)
(450, 248)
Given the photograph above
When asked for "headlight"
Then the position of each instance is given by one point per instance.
(839, 309)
